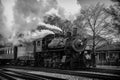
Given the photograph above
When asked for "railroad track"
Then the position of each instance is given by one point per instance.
(117, 72)
(90, 73)
(4, 76)
(110, 71)
(15, 75)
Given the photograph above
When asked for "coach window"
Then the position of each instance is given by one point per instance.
(7, 51)
(38, 43)
(12, 51)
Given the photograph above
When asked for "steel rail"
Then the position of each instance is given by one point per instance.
(31, 76)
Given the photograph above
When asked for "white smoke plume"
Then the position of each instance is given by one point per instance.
(30, 36)
(17, 16)
(50, 26)
(1, 19)
(8, 15)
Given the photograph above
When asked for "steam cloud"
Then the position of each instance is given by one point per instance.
(18, 16)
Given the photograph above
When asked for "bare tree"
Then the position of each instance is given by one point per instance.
(114, 11)
(96, 22)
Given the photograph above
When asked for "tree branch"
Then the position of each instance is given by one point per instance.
(97, 33)
(90, 24)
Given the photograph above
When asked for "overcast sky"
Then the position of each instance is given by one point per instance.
(23, 15)
(93, 2)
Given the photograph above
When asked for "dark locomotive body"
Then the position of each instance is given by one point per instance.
(54, 51)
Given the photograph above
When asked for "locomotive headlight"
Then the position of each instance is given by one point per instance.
(78, 45)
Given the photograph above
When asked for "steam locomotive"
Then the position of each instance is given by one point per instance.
(53, 51)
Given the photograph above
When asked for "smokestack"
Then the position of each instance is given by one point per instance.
(74, 31)
(68, 34)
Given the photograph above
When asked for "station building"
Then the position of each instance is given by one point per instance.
(108, 54)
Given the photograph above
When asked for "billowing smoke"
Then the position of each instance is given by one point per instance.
(18, 16)
(1, 18)
(30, 36)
